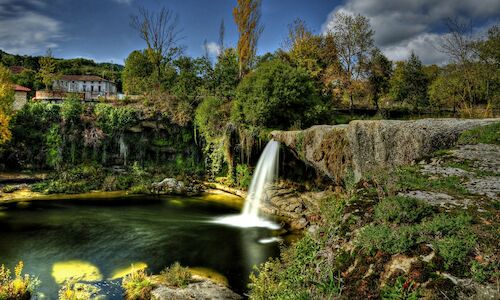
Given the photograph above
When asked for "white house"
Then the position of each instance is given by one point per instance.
(93, 86)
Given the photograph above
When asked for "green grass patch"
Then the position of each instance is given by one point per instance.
(399, 210)
(489, 134)
(410, 178)
(402, 289)
(176, 276)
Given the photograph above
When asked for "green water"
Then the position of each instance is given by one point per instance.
(103, 236)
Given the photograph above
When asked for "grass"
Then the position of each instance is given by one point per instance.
(137, 285)
(17, 287)
(489, 134)
(410, 178)
(176, 276)
(403, 289)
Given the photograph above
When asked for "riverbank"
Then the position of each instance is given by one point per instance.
(427, 229)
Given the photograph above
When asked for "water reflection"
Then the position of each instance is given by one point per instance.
(100, 239)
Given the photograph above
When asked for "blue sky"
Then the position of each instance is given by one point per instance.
(100, 30)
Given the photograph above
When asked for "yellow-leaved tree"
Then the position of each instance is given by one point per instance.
(247, 17)
(6, 100)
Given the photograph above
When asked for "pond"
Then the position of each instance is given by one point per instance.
(99, 239)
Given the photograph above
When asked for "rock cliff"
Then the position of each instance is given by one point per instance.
(367, 146)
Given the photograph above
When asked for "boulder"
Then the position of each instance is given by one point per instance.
(203, 289)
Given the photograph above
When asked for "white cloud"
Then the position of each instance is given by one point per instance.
(213, 48)
(402, 26)
(26, 32)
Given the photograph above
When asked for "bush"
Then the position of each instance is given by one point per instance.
(387, 239)
(401, 210)
(455, 249)
(137, 285)
(176, 275)
(18, 287)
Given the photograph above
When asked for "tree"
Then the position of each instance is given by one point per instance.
(6, 100)
(354, 40)
(247, 17)
(47, 73)
(277, 95)
(409, 82)
(137, 73)
(226, 74)
(380, 70)
(160, 32)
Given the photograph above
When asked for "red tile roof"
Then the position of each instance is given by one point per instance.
(16, 69)
(20, 88)
(82, 78)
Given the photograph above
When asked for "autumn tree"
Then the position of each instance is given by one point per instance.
(47, 72)
(160, 30)
(354, 40)
(6, 100)
(247, 17)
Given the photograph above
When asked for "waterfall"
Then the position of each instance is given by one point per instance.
(123, 150)
(264, 175)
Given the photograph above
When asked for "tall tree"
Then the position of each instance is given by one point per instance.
(47, 73)
(222, 32)
(160, 30)
(409, 82)
(380, 70)
(6, 100)
(137, 73)
(247, 17)
(354, 39)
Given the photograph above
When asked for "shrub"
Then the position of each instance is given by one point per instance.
(176, 275)
(137, 285)
(387, 239)
(398, 210)
(18, 287)
(243, 176)
(455, 249)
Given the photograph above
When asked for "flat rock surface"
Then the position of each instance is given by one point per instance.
(483, 156)
(198, 290)
(437, 199)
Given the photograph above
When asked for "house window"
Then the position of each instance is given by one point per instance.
(99, 88)
(91, 88)
(84, 87)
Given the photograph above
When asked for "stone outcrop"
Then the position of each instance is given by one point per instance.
(367, 146)
(172, 186)
(201, 289)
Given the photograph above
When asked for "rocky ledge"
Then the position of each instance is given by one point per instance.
(367, 146)
(200, 288)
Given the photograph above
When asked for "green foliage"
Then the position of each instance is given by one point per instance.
(380, 72)
(455, 249)
(410, 178)
(47, 72)
(489, 134)
(390, 240)
(18, 287)
(226, 74)
(399, 210)
(175, 276)
(79, 179)
(112, 119)
(6, 90)
(137, 72)
(403, 289)
(53, 142)
(277, 95)
(409, 83)
(243, 176)
(71, 110)
(137, 285)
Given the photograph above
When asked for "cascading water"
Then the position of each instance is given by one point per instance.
(265, 173)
